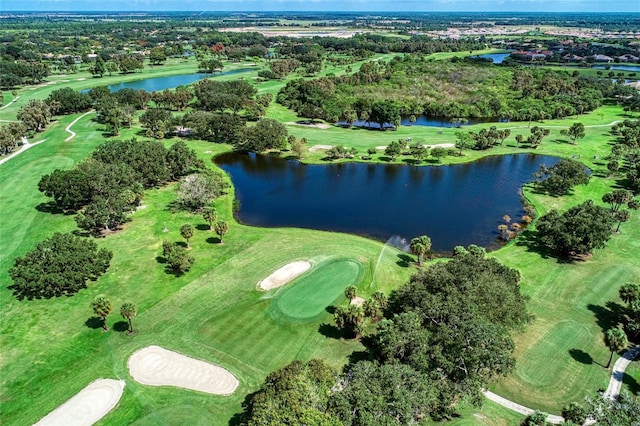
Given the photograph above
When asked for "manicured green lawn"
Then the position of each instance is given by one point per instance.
(215, 313)
(309, 295)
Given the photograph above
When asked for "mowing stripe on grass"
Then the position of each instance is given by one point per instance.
(308, 296)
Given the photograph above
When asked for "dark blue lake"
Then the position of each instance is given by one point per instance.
(455, 205)
(170, 82)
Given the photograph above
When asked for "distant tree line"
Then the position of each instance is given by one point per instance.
(447, 89)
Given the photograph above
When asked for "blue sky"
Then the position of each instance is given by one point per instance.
(327, 5)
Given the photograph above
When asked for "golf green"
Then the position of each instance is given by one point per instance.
(309, 295)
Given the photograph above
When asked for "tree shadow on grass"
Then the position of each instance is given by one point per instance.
(242, 417)
(94, 323)
(213, 240)
(404, 260)
(52, 208)
(607, 317)
(631, 383)
(330, 331)
(530, 240)
(202, 227)
(582, 357)
(121, 326)
(357, 356)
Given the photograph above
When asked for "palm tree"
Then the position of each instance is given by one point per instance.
(128, 310)
(351, 292)
(210, 215)
(616, 340)
(380, 298)
(371, 308)
(102, 307)
(420, 246)
(349, 319)
(221, 227)
(187, 232)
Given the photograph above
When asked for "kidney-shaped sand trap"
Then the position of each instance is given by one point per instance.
(87, 406)
(284, 275)
(156, 366)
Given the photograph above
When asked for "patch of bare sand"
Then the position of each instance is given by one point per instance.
(284, 275)
(87, 406)
(316, 125)
(156, 366)
(317, 148)
(357, 301)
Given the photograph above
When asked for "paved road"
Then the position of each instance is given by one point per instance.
(68, 128)
(617, 372)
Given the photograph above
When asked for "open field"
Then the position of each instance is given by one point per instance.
(53, 348)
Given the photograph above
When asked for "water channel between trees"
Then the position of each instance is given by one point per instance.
(455, 205)
(172, 81)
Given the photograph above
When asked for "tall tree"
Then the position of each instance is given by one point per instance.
(616, 340)
(575, 132)
(221, 227)
(351, 292)
(420, 246)
(101, 306)
(186, 231)
(128, 311)
(349, 319)
(210, 215)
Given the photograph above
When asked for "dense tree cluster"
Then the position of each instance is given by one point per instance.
(446, 89)
(10, 136)
(579, 230)
(58, 266)
(35, 115)
(68, 101)
(561, 177)
(625, 154)
(110, 184)
(266, 134)
(197, 190)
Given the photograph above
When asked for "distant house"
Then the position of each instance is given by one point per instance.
(602, 58)
(634, 84)
(628, 58)
(530, 55)
(573, 58)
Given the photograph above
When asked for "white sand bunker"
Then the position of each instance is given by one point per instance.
(357, 301)
(318, 148)
(156, 366)
(284, 275)
(87, 406)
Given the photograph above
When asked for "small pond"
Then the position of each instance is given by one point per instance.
(455, 205)
(497, 58)
(170, 82)
(422, 120)
(631, 68)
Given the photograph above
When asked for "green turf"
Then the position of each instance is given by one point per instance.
(309, 295)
